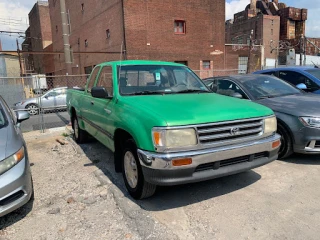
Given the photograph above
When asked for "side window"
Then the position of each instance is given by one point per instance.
(270, 73)
(296, 78)
(61, 91)
(52, 93)
(106, 80)
(92, 78)
(229, 88)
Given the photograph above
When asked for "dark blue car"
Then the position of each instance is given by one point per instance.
(305, 78)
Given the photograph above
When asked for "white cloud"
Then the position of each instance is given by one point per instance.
(235, 6)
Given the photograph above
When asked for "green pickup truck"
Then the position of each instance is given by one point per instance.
(166, 128)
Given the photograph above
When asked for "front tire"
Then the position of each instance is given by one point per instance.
(80, 136)
(33, 109)
(286, 142)
(132, 173)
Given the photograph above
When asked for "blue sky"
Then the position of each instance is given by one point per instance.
(14, 16)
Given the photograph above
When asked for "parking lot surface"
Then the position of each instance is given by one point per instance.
(79, 196)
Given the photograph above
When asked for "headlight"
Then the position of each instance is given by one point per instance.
(174, 138)
(270, 125)
(310, 121)
(11, 161)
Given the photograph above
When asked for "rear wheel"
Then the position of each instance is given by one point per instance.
(33, 109)
(286, 142)
(133, 175)
(80, 136)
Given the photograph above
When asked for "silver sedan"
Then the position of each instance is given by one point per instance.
(51, 100)
(15, 176)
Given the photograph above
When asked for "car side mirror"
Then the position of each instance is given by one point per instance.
(302, 86)
(22, 116)
(99, 92)
(236, 95)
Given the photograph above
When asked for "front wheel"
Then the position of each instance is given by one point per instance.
(286, 142)
(33, 109)
(133, 175)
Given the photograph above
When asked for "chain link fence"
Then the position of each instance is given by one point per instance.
(44, 97)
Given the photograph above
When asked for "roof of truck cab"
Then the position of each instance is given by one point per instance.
(140, 62)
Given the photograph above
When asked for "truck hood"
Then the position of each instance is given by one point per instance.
(297, 105)
(195, 108)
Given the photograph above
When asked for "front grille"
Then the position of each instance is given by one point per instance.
(219, 133)
(11, 198)
(231, 161)
(317, 144)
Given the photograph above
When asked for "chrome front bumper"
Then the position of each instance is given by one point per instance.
(158, 168)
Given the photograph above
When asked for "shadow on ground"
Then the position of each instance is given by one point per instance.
(169, 197)
(303, 159)
(15, 216)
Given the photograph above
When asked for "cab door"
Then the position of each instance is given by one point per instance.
(87, 104)
(104, 108)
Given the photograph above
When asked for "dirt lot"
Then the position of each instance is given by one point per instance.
(79, 196)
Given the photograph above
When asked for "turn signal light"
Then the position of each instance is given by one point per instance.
(276, 144)
(181, 162)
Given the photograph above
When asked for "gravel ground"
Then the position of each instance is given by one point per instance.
(79, 196)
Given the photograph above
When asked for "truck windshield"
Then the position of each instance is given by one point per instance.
(158, 79)
(314, 72)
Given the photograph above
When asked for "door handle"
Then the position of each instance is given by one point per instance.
(92, 102)
(108, 111)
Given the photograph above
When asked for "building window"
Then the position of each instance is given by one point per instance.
(272, 22)
(56, 28)
(206, 65)
(82, 7)
(86, 43)
(271, 31)
(108, 33)
(179, 27)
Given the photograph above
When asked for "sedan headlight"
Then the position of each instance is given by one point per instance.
(174, 138)
(270, 125)
(11, 161)
(310, 121)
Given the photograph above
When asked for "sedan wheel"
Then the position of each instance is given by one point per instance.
(33, 109)
(286, 142)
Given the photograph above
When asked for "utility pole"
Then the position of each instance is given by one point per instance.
(304, 51)
(65, 34)
(301, 48)
(19, 55)
(249, 53)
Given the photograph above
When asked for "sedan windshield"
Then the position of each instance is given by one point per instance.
(268, 87)
(158, 79)
(3, 120)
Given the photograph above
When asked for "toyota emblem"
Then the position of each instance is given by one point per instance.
(234, 131)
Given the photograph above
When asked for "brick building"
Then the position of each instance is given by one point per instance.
(177, 30)
(272, 23)
(38, 36)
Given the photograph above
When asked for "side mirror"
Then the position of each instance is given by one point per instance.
(302, 86)
(22, 116)
(99, 92)
(236, 95)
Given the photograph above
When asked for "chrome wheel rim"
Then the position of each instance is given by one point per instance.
(131, 169)
(32, 110)
(76, 129)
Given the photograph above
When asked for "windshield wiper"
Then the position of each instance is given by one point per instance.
(146, 93)
(266, 96)
(193, 91)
